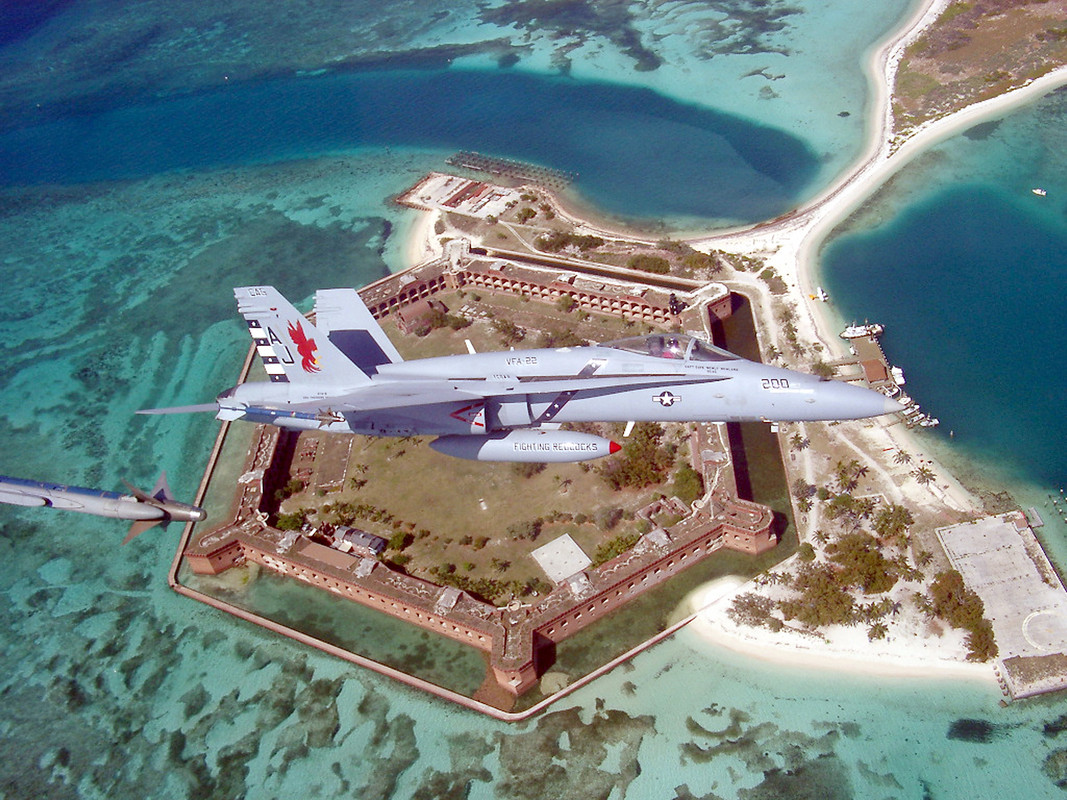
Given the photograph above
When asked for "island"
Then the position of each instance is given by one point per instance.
(892, 558)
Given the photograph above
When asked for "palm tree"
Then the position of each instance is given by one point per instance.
(902, 457)
(877, 631)
(845, 474)
(924, 475)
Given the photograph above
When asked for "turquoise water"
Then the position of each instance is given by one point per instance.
(117, 296)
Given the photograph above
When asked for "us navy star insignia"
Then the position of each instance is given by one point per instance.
(666, 399)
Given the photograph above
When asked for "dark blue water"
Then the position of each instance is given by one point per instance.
(637, 153)
(971, 288)
(19, 19)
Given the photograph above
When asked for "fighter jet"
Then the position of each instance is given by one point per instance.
(344, 375)
(148, 510)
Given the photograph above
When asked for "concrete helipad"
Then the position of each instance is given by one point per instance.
(1001, 560)
(561, 558)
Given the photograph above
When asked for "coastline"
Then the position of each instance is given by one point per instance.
(844, 649)
(422, 244)
(791, 246)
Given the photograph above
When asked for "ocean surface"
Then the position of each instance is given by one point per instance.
(150, 163)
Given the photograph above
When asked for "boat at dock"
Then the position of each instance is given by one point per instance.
(860, 331)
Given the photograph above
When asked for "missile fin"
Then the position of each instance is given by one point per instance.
(140, 526)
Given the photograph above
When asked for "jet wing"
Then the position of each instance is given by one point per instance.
(419, 392)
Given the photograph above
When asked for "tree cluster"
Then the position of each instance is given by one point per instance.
(892, 522)
(292, 486)
(861, 564)
(614, 547)
(952, 601)
(530, 529)
(436, 318)
(557, 240)
(554, 338)
(644, 460)
(688, 485)
(492, 590)
(822, 601)
(754, 610)
(510, 333)
(293, 521)
(647, 263)
(527, 469)
(701, 261)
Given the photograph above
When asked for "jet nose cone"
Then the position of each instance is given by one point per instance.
(845, 401)
(892, 406)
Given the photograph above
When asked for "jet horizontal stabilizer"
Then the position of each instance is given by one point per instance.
(181, 409)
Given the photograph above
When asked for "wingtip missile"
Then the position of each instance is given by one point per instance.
(146, 509)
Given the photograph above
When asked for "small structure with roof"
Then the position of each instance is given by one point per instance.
(353, 540)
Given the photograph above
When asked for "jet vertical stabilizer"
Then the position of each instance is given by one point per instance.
(342, 315)
(291, 348)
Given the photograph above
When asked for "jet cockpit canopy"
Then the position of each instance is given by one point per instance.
(672, 345)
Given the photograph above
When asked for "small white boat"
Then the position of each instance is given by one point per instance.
(1039, 191)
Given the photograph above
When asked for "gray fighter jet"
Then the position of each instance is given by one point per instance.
(146, 509)
(343, 375)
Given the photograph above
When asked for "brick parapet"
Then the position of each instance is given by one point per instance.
(593, 293)
(507, 634)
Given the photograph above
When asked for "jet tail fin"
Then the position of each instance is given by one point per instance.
(291, 348)
(345, 319)
(160, 492)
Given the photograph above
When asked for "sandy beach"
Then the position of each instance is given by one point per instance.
(909, 650)
(422, 243)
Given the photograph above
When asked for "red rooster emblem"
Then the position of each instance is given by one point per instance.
(305, 347)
